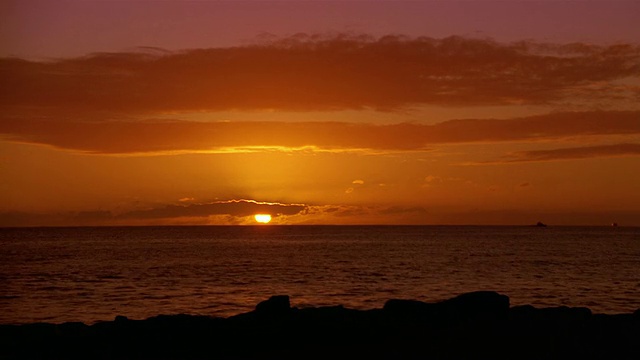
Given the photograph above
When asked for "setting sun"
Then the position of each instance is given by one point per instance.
(263, 218)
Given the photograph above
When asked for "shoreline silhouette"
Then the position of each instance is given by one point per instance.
(472, 325)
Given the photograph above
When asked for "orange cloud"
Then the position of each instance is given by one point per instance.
(321, 73)
(575, 153)
(313, 214)
(233, 208)
(121, 137)
(233, 212)
(167, 214)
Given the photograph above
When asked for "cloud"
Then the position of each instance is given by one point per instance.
(400, 210)
(110, 103)
(316, 72)
(232, 212)
(168, 214)
(363, 214)
(432, 179)
(323, 214)
(157, 136)
(572, 153)
(234, 208)
(338, 211)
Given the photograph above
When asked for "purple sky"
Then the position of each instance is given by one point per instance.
(54, 28)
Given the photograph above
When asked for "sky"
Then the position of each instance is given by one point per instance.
(168, 112)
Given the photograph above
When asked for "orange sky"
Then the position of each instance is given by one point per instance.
(356, 115)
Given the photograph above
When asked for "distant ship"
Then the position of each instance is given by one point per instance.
(614, 224)
(541, 224)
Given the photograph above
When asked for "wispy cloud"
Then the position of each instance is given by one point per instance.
(193, 213)
(241, 214)
(315, 72)
(585, 152)
(232, 207)
(122, 137)
(230, 212)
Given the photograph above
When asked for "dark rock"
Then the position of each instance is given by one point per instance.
(567, 316)
(476, 325)
(565, 313)
(479, 303)
(72, 329)
(276, 305)
(522, 311)
(475, 305)
(407, 308)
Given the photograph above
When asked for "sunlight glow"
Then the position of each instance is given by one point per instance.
(262, 218)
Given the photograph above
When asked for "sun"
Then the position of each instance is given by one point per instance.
(262, 218)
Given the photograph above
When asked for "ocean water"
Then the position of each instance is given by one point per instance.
(92, 274)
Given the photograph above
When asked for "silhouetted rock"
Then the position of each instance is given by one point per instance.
(486, 304)
(276, 305)
(481, 304)
(477, 325)
(408, 308)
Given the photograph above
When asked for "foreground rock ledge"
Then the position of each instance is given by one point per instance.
(478, 325)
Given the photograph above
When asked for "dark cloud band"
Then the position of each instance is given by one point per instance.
(122, 137)
(584, 152)
(322, 73)
(233, 208)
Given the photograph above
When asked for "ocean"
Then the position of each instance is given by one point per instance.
(90, 274)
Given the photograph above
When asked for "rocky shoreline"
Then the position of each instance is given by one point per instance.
(478, 325)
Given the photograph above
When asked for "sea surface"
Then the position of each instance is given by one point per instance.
(92, 274)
